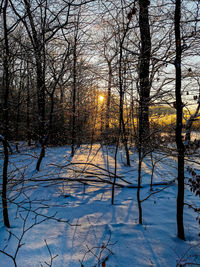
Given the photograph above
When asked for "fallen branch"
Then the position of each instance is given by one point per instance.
(82, 180)
(92, 165)
(155, 192)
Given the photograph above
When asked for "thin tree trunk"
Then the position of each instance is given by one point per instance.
(51, 116)
(74, 100)
(28, 110)
(5, 115)
(189, 124)
(152, 171)
(18, 117)
(115, 173)
(139, 184)
(42, 155)
(179, 125)
(39, 53)
(18, 110)
(122, 129)
(6, 73)
(41, 109)
(41, 95)
(108, 96)
(4, 187)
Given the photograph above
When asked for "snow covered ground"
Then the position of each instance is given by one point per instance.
(53, 215)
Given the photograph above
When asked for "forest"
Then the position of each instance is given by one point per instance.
(99, 133)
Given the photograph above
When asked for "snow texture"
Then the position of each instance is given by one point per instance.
(97, 231)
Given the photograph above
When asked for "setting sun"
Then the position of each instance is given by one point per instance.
(101, 98)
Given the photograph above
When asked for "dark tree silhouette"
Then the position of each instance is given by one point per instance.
(179, 124)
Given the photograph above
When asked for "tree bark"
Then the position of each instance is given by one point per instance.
(144, 80)
(4, 187)
(139, 184)
(6, 88)
(74, 99)
(179, 125)
(74, 85)
(188, 127)
(122, 128)
(28, 108)
(5, 74)
(108, 96)
(39, 53)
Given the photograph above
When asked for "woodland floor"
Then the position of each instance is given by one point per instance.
(55, 214)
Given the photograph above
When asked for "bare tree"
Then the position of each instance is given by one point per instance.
(144, 65)
(39, 37)
(74, 83)
(6, 89)
(179, 125)
(144, 89)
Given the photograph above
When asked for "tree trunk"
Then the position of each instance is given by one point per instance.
(115, 172)
(108, 96)
(42, 155)
(18, 109)
(145, 55)
(39, 53)
(51, 116)
(188, 127)
(4, 187)
(139, 184)
(122, 128)
(144, 90)
(28, 110)
(41, 108)
(74, 100)
(179, 114)
(5, 114)
(5, 74)
(40, 94)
